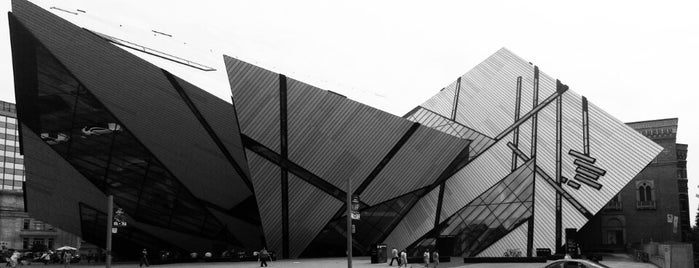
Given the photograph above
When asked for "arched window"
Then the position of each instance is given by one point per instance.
(645, 195)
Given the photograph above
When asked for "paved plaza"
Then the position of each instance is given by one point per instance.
(618, 261)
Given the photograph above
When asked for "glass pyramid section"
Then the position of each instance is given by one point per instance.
(489, 217)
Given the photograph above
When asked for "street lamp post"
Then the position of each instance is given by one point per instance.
(110, 218)
(349, 223)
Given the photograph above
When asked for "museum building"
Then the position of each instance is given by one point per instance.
(504, 157)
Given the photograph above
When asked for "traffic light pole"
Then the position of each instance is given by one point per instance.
(349, 223)
(110, 220)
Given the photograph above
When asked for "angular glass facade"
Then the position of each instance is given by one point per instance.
(74, 123)
(489, 217)
(271, 167)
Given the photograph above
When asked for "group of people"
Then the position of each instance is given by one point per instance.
(402, 258)
(16, 259)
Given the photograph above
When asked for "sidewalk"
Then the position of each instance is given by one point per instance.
(615, 261)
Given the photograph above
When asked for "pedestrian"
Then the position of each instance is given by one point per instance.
(263, 255)
(46, 258)
(89, 256)
(404, 258)
(144, 258)
(426, 257)
(14, 259)
(67, 257)
(435, 258)
(394, 254)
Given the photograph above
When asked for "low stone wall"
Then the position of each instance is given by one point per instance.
(667, 255)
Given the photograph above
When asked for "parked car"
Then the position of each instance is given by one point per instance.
(575, 263)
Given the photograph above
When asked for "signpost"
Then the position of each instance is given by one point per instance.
(115, 219)
(110, 217)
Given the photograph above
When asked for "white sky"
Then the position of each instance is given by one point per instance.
(638, 60)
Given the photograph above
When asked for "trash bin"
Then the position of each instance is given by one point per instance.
(543, 252)
(378, 253)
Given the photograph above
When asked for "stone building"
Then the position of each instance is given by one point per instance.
(654, 206)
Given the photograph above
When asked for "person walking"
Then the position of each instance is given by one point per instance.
(144, 258)
(394, 254)
(263, 255)
(435, 258)
(14, 259)
(426, 257)
(404, 258)
(67, 257)
(46, 257)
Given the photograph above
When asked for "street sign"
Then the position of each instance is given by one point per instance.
(119, 218)
(355, 208)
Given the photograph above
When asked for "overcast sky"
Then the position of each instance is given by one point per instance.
(638, 60)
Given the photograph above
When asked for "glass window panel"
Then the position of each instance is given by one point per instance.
(516, 215)
(494, 193)
(521, 178)
(518, 188)
(478, 210)
(526, 194)
(508, 212)
(455, 228)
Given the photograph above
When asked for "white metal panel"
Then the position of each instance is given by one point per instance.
(416, 223)
(544, 215)
(515, 240)
(479, 175)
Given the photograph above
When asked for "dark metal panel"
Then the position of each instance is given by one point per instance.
(128, 86)
(256, 98)
(419, 162)
(266, 179)
(337, 138)
(54, 188)
(248, 234)
(309, 210)
(222, 118)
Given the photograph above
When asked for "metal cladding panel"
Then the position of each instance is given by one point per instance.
(476, 177)
(620, 150)
(570, 218)
(544, 216)
(479, 142)
(310, 209)
(127, 86)
(256, 99)
(337, 138)
(515, 240)
(487, 102)
(417, 164)
(54, 188)
(266, 178)
(488, 93)
(416, 223)
(443, 102)
(222, 118)
(248, 234)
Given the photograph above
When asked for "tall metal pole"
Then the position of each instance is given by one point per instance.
(349, 223)
(110, 220)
